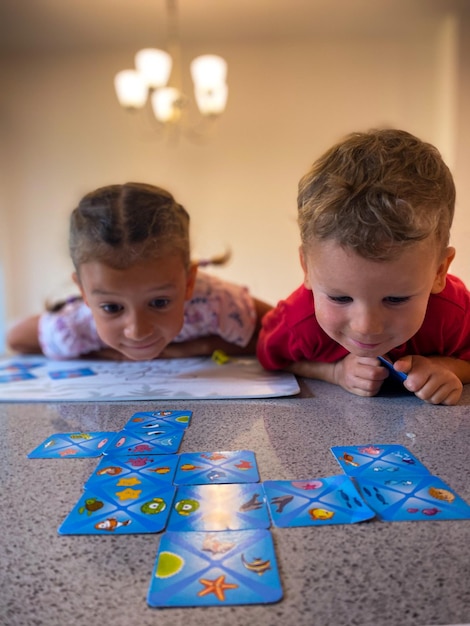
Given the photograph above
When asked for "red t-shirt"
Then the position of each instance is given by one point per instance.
(291, 332)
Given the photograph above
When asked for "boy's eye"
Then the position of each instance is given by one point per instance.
(396, 299)
(160, 303)
(111, 308)
(340, 299)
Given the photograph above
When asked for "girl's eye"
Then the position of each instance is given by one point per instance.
(160, 303)
(111, 308)
(396, 300)
(340, 299)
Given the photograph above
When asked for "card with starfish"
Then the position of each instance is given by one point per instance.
(164, 439)
(215, 568)
(128, 505)
(155, 467)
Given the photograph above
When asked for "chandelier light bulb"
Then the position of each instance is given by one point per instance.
(211, 101)
(166, 104)
(154, 65)
(131, 89)
(208, 71)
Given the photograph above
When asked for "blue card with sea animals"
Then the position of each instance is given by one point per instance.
(219, 507)
(411, 497)
(199, 468)
(73, 445)
(161, 440)
(315, 502)
(215, 569)
(129, 505)
(145, 420)
(371, 459)
(155, 467)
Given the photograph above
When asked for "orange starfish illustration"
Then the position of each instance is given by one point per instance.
(217, 587)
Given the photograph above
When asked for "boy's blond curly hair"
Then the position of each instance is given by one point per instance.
(375, 192)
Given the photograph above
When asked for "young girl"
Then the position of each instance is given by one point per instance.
(141, 296)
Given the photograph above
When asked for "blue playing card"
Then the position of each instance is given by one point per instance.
(72, 373)
(73, 445)
(224, 568)
(392, 371)
(162, 440)
(315, 502)
(411, 497)
(158, 468)
(372, 459)
(199, 468)
(8, 375)
(153, 419)
(131, 505)
(219, 507)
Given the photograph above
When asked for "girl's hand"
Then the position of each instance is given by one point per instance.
(430, 380)
(362, 376)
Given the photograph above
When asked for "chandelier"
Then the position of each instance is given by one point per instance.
(157, 77)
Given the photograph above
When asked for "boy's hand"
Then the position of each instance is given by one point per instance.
(360, 375)
(430, 380)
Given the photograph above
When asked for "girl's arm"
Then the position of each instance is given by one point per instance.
(205, 346)
(23, 336)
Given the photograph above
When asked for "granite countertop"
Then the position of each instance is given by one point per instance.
(373, 573)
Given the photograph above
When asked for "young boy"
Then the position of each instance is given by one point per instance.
(375, 213)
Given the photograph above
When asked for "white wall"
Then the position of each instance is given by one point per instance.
(63, 134)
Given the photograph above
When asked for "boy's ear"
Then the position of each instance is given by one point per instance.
(440, 279)
(76, 280)
(303, 263)
(190, 281)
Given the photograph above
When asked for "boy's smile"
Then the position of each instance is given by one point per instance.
(369, 306)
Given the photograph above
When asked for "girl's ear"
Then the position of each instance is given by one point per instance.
(76, 280)
(440, 278)
(303, 263)
(190, 281)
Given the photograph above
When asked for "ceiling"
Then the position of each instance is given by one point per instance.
(54, 25)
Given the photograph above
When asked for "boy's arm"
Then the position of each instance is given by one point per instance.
(362, 376)
(23, 337)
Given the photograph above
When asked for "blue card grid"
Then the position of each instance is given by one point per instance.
(217, 548)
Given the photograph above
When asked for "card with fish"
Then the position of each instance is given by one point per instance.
(145, 420)
(411, 497)
(371, 459)
(315, 502)
(164, 439)
(156, 467)
(199, 468)
(219, 507)
(215, 569)
(128, 505)
(73, 445)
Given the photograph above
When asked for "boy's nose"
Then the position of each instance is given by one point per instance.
(367, 322)
(138, 327)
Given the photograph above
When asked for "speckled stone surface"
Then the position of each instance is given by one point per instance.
(377, 574)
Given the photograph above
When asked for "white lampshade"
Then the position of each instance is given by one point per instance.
(154, 65)
(131, 89)
(211, 101)
(208, 71)
(166, 104)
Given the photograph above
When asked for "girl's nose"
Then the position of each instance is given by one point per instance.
(138, 327)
